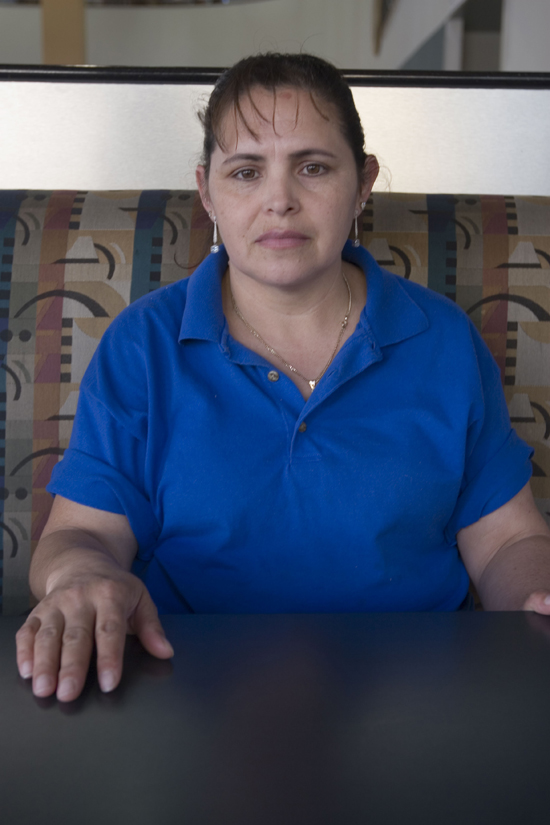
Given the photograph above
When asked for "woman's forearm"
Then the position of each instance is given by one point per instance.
(515, 573)
(78, 542)
(68, 553)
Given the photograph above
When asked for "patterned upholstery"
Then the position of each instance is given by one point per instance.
(70, 261)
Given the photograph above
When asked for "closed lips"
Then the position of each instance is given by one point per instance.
(275, 236)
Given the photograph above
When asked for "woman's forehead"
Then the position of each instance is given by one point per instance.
(263, 113)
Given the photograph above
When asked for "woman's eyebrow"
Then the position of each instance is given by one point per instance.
(303, 153)
(245, 156)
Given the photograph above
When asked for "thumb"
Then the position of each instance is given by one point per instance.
(538, 602)
(147, 627)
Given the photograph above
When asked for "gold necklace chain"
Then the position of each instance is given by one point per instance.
(312, 383)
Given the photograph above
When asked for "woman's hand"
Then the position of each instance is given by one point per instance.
(55, 644)
(538, 602)
(80, 571)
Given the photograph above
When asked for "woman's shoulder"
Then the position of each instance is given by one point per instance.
(450, 329)
(451, 335)
(442, 312)
(168, 312)
(431, 301)
(143, 337)
(160, 309)
(392, 292)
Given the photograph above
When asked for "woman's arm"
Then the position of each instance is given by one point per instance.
(507, 554)
(80, 571)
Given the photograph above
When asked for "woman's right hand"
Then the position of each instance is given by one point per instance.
(55, 644)
(88, 595)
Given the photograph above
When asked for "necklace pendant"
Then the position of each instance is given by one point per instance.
(312, 384)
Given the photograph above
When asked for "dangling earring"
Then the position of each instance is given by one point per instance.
(215, 246)
(356, 241)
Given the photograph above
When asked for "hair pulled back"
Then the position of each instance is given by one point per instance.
(273, 71)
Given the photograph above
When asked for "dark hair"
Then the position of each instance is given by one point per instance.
(273, 71)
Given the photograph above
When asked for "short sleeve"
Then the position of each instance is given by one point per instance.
(497, 462)
(104, 465)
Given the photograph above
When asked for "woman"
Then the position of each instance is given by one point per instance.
(291, 429)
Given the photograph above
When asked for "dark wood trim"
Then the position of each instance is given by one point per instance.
(449, 80)
(109, 74)
(208, 76)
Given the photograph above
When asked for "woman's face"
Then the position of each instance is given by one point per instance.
(284, 200)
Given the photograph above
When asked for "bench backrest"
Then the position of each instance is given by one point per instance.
(71, 261)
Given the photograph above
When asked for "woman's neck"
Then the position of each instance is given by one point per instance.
(288, 309)
(302, 323)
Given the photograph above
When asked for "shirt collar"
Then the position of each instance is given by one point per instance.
(391, 313)
(203, 317)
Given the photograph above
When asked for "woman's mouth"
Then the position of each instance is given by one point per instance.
(281, 239)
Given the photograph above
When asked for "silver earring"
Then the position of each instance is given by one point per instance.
(356, 241)
(215, 245)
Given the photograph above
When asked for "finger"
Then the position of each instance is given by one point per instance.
(24, 640)
(76, 652)
(147, 627)
(110, 637)
(47, 653)
(539, 602)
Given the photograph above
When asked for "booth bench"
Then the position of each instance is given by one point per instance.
(72, 260)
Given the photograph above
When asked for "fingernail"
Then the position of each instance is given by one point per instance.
(169, 647)
(43, 685)
(66, 688)
(25, 670)
(107, 681)
(547, 600)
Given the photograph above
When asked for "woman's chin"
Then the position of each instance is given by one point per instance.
(282, 244)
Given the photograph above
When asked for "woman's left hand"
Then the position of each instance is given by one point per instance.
(538, 602)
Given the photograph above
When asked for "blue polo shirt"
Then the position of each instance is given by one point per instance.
(238, 507)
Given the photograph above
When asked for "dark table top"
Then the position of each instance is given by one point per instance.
(370, 719)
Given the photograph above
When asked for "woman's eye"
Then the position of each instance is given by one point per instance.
(246, 174)
(314, 169)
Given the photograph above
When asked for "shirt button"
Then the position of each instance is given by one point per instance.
(273, 375)
(303, 427)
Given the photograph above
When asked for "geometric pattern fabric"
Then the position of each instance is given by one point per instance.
(71, 261)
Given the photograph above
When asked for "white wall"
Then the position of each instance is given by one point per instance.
(220, 35)
(20, 34)
(340, 30)
(525, 42)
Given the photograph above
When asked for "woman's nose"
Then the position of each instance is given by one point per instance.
(280, 195)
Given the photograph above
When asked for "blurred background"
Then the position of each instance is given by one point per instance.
(477, 35)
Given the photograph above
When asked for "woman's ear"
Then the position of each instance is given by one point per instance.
(202, 186)
(370, 173)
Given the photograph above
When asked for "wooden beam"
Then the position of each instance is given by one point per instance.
(63, 37)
